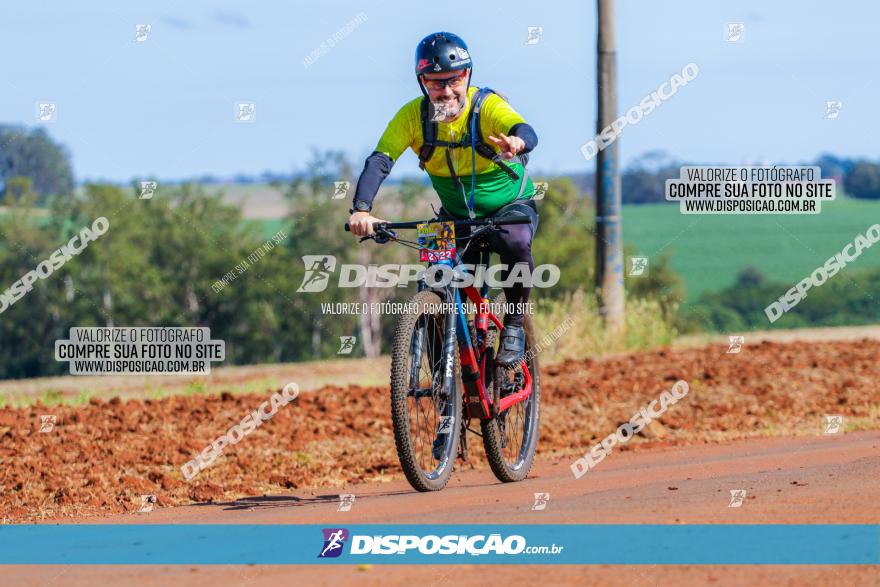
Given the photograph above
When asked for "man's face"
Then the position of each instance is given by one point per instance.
(449, 97)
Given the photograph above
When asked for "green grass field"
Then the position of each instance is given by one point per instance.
(709, 251)
(268, 228)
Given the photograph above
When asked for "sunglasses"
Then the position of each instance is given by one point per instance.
(439, 84)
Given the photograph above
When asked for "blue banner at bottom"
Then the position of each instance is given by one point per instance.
(569, 544)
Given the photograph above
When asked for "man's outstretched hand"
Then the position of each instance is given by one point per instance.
(361, 223)
(509, 145)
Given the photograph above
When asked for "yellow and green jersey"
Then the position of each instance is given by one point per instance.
(494, 188)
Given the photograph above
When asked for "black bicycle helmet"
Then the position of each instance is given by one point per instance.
(442, 52)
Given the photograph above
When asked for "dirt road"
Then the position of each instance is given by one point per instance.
(751, 421)
(830, 479)
(826, 479)
(102, 457)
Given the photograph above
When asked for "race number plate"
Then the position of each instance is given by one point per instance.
(436, 241)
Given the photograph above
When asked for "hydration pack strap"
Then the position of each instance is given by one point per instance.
(522, 185)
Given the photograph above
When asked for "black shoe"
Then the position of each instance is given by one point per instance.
(513, 346)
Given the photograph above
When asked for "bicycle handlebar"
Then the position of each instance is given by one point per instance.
(503, 221)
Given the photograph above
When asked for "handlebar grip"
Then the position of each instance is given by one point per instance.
(498, 222)
(514, 220)
(348, 227)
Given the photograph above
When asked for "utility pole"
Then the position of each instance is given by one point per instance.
(609, 241)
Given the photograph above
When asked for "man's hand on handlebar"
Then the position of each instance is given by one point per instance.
(361, 223)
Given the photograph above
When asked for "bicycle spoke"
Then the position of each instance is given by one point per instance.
(427, 400)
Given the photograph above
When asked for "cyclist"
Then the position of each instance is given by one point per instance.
(473, 178)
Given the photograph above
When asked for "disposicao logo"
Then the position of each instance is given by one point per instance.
(319, 268)
(334, 540)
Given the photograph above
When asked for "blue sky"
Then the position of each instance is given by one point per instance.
(165, 107)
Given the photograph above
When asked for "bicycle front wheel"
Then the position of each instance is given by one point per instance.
(425, 395)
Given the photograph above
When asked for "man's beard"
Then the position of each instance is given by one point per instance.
(443, 111)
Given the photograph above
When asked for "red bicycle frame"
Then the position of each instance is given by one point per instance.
(473, 363)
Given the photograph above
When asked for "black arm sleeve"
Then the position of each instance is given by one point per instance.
(527, 134)
(376, 169)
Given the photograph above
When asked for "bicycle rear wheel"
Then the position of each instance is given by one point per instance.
(511, 437)
(425, 395)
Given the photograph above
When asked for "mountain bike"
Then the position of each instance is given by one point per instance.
(436, 391)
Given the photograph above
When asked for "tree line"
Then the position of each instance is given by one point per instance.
(160, 260)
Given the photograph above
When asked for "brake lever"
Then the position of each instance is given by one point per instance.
(381, 236)
(384, 235)
(481, 230)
